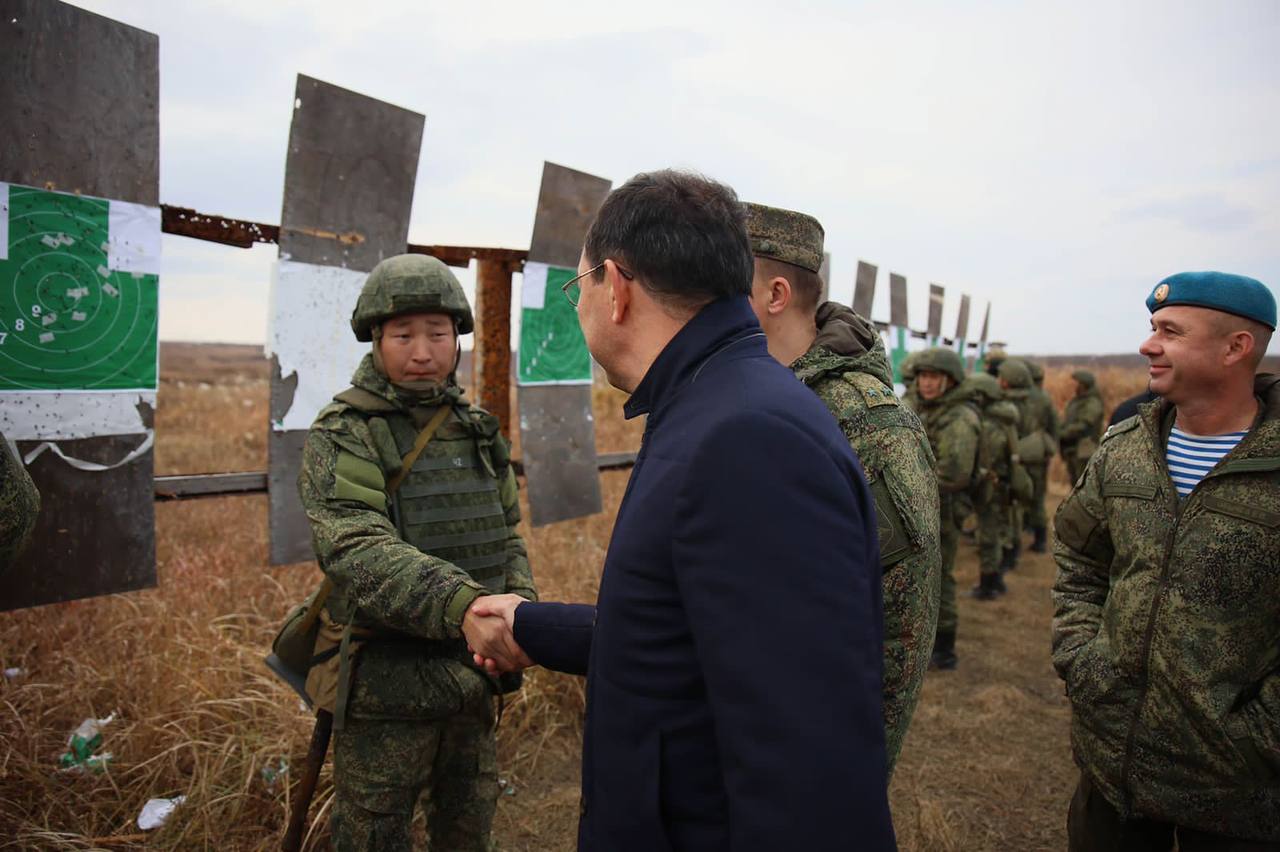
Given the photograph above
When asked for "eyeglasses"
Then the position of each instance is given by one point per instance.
(573, 291)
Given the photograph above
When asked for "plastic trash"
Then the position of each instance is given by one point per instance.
(272, 773)
(156, 812)
(12, 674)
(83, 744)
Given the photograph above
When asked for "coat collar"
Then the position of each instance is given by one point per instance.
(716, 325)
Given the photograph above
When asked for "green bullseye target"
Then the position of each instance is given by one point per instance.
(78, 292)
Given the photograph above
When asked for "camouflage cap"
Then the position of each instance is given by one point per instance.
(785, 235)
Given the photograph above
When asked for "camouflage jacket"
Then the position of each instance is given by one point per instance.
(383, 584)
(1042, 414)
(1082, 419)
(19, 505)
(1167, 626)
(953, 425)
(846, 367)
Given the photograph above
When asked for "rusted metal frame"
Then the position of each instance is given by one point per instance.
(493, 338)
(241, 233)
(194, 486)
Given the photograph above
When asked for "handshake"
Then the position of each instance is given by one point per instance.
(489, 628)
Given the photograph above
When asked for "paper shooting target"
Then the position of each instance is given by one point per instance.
(79, 288)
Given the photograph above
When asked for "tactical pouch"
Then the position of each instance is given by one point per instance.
(1031, 448)
(294, 645)
(1020, 485)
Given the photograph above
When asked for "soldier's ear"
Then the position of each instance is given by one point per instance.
(780, 294)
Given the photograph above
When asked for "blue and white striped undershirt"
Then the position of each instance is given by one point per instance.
(1191, 457)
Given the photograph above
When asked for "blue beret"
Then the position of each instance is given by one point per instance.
(1221, 291)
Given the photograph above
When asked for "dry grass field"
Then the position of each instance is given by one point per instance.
(986, 765)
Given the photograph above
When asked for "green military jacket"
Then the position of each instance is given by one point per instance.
(847, 368)
(405, 569)
(19, 505)
(1167, 626)
(999, 440)
(1043, 417)
(1081, 424)
(953, 425)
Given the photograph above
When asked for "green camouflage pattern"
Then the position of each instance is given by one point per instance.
(954, 427)
(942, 360)
(19, 505)
(1081, 425)
(993, 476)
(412, 670)
(1042, 417)
(1167, 627)
(382, 768)
(408, 284)
(785, 235)
(848, 370)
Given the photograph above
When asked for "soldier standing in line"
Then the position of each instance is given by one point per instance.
(840, 356)
(953, 426)
(19, 505)
(999, 477)
(1167, 604)
(1015, 380)
(407, 554)
(1081, 424)
(1045, 417)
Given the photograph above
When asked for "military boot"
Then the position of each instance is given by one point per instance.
(997, 583)
(944, 652)
(1038, 545)
(1008, 560)
(986, 588)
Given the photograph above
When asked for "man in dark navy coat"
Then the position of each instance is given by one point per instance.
(733, 658)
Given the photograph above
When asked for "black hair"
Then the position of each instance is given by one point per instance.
(682, 235)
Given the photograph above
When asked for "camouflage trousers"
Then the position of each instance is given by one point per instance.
(382, 767)
(993, 524)
(1036, 516)
(949, 537)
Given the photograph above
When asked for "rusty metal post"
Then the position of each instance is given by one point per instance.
(493, 338)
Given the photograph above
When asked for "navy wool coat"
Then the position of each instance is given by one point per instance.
(733, 658)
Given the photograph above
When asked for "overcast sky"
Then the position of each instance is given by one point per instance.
(1054, 159)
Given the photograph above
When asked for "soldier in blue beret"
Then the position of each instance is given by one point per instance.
(1167, 602)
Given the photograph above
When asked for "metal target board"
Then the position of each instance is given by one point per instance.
(348, 190)
(79, 264)
(557, 431)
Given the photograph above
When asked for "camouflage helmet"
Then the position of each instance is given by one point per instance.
(410, 284)
(908, 367)
(994, 359)
(940, 359)
(1014, 372)
(1037, 371)
(984, 384)
(1085, 378)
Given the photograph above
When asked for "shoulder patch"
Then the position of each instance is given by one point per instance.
(1126, 425)
(874, 392)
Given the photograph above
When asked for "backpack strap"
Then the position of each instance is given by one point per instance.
(420, 444)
